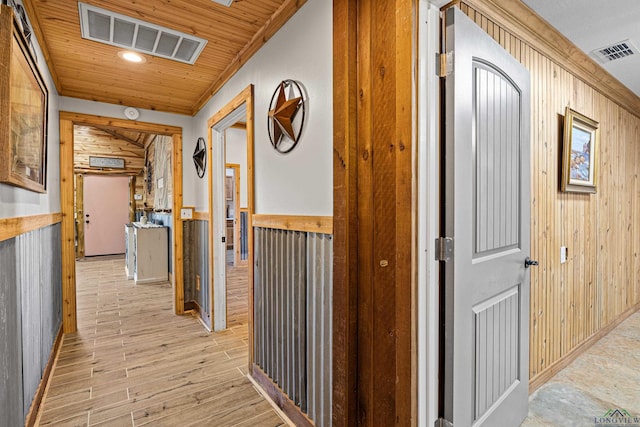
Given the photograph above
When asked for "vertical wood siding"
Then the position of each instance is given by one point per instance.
(292, 316)
(600, 281)
(30, 316)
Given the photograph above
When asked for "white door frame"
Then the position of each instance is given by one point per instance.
(218, 167)
(428, 209)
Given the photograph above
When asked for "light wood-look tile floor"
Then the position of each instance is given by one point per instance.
(133, 362)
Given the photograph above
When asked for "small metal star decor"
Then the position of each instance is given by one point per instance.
(200, 157)
(286, 116)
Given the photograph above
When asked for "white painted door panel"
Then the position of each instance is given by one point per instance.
(486, 196)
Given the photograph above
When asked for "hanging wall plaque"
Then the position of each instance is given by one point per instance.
(286, 116)
(200, 157)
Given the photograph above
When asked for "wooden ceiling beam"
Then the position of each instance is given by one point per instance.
(124, 138)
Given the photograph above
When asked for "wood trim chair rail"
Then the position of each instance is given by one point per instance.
(311, 224)
(13, 227)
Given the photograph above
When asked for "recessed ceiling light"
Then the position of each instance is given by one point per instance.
(131, 56)
(224, 2)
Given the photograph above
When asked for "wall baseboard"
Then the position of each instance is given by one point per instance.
(34, 410)
(565, 361)
(280, 399)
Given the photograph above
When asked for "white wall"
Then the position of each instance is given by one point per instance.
(17, 202)
(84, 106)
(236, 152)
(301, 182)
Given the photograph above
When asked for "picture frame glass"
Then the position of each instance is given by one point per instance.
(580, 168)
(579, 153)
(28, 102)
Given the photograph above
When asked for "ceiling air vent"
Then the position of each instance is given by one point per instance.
(111, 28)
(616, 51)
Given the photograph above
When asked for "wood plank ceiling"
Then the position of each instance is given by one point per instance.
(90, 70)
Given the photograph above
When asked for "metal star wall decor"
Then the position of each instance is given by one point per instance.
(286, 116)
(200, 157)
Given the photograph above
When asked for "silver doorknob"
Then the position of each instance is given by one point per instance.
(529, 262)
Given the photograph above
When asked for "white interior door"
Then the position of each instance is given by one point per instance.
(487, 213)
(106, 211)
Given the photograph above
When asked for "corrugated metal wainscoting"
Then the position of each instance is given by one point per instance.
(196, 261)
(244, 236)
(292, 316)
(30, 316)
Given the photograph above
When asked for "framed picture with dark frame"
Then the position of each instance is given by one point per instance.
(23, 108)
(580, 153)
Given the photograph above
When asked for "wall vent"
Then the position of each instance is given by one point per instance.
(114, 29)
(616, 51)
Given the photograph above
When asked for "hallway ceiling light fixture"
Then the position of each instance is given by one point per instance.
(132, 57)
(286, 116)
(123, 31)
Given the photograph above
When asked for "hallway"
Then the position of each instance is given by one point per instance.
(605, 377)
(132, 362)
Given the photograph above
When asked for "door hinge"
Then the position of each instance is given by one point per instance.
(224, 239)
(441, 422)
(444, 249)
(444, 64)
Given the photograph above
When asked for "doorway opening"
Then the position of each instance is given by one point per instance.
(173, 202)
(231, 200)
(113, 184)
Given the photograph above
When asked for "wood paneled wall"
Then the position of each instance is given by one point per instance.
(574, 302)
(373, 300)
(91, 141)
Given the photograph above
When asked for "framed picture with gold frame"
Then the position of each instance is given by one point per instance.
(23, 108)
(579, 153)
